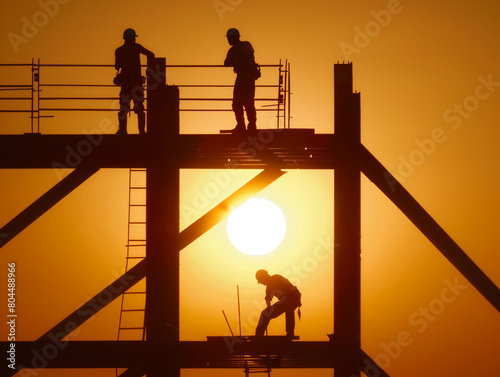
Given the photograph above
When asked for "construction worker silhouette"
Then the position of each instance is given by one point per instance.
(241, 57)
(130, 79)
(288, 300)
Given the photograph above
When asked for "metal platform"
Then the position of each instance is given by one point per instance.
(229, 352)
(283, 149)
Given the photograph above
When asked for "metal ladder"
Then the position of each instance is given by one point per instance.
(261, 369)
(133, 304)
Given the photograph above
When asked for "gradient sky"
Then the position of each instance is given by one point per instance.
(429, 77)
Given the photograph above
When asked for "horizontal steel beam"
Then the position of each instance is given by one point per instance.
(297, 149)
(192, 354)
(226, 352)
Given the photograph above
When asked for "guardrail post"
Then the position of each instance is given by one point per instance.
(162, 102)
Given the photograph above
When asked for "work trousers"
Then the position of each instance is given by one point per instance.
(243, 99)
(134, 93)
(286, 306)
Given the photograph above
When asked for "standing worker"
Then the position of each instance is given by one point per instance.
(288, 300)
(241, 57)
(130, 79)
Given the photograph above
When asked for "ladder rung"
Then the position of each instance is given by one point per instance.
(137, 205)
(133, 310)
(257, 370)
(135, 245)
(138, 169)
(137, 240)
(131, 328)
(138, 187)
(134, 293)
(135, 257)
(137, 222)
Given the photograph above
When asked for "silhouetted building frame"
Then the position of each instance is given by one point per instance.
(163, 153)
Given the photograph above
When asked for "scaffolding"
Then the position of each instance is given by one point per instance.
(43, 103)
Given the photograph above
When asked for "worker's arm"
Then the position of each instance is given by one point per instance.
(117, 65)
(268, 303)
(229, 62)
(146, 52)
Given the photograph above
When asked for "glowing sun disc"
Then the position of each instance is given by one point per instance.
(256, 227)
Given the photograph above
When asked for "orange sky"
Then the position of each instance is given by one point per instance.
(429, 79)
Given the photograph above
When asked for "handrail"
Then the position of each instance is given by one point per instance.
(142, 65)
(280, 105)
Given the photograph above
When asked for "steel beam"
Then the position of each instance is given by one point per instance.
(45, 202)
(297, 149)
(389, 185)
(347, 220)
(162, 224)
(220, 211)
(95, 304)
(226, 353)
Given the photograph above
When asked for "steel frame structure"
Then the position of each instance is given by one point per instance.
(163, 152)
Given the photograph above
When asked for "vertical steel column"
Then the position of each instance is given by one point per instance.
(162, 227)
(347, 222)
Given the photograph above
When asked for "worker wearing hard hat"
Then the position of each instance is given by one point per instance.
(288, 300)
(241, 57)
(130, 79)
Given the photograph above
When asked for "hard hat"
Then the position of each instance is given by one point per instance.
(129, 33)
(260, 275)
(233, 32)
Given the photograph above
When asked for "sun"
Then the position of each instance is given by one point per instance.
(256, 227)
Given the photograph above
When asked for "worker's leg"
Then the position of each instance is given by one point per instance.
(249, 103)
(251, 115)
(125, 98)
(238, 113)
(267, 314)
(138, 98)
(290, 322)
(263, 323)
(141, 117)
(238, 102)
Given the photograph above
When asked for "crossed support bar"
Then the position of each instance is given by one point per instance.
(45, 202)
(386, 182)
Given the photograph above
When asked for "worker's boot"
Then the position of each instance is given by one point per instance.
(240, 125)
(239, 129)
(141, 121)
(252, 128)
(252, 117)
(240, 119)
(122, 124)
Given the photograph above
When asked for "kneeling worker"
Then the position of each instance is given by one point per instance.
(288, 300)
